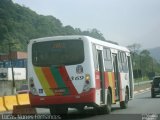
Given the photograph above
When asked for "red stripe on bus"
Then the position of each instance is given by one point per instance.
(86, 97)
(113, 78)
(67, 81)
(97, 80)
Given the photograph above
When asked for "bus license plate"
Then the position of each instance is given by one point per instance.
(59, 90)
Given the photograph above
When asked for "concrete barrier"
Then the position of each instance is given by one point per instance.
(23, 99)
(2, 106)
(7, 103)
(10, 101)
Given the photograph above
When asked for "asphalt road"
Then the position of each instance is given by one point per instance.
(141, 104)
(142, 107)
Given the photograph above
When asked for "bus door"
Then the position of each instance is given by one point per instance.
(101, 71)
(130, 76)
(116, 76)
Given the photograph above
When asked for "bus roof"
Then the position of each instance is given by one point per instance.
(91, 39)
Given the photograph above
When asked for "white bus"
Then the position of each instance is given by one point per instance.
(78, 71)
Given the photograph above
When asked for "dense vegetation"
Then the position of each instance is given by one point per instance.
(143, 64)
(19, 24)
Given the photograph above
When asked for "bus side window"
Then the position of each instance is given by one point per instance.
(107, 59)
(95, 58)
(125, 68)
(123, 65)
(120, 65)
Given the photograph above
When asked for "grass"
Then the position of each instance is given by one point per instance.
(141, 79)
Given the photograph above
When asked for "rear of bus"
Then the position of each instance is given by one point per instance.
(60, 70)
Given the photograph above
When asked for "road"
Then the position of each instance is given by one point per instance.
(142, 103)
(139, 108)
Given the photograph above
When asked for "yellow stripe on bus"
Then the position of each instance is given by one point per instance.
(43, 81)
(110, 79)
(112, 86)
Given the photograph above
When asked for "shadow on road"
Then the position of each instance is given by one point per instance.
(85, 114)
(115, 108)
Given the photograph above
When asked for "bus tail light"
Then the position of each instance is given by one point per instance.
(32, 87)
(86, 83)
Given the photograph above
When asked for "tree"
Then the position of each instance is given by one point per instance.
(146, 62)
(143, 63)
(20, 24)
(134, 48)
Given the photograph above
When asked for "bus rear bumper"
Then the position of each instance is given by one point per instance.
(47, 101)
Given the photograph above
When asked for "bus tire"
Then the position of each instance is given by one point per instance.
(107, 108)
(58, 110)
(124, 104)
(109, 102)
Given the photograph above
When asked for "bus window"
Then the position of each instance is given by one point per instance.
(95, 58)
(120, 66)
(64, 52)
(123, 65)
(107, 59)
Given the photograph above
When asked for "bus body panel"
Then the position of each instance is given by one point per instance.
(65, 85)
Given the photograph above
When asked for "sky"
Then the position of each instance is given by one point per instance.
(123, 21)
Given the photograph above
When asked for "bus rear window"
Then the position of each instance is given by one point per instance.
(56, 53)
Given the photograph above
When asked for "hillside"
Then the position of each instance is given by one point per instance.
(155, 53)
(19, 24)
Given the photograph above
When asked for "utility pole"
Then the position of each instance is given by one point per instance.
(10, 58)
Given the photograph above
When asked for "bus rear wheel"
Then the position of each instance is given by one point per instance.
(124, 104)
(107, 108)
(109, 102)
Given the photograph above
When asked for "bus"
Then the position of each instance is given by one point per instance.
(78, 72)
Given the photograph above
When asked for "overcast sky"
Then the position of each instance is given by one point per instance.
(122, 21)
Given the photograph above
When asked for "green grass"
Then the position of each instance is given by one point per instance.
(145, 78)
